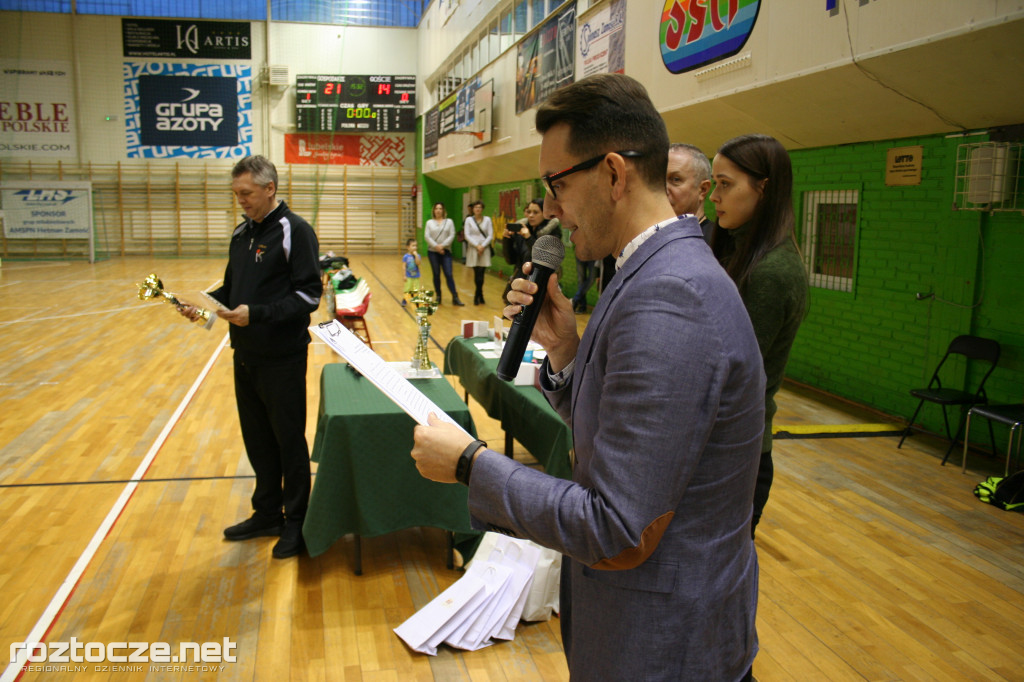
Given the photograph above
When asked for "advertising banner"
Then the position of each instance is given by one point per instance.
(47, 210)
(601, 41)
(546, 60)
(37, 116)
(186, 38)
(348, 150)
(431, 127)
(188, 110)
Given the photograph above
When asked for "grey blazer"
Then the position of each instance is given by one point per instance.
(659, 580)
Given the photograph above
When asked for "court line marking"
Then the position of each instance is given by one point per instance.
(184, 479)
(26, 320)
(67, 588)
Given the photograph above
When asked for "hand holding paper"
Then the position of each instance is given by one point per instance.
(436, 449)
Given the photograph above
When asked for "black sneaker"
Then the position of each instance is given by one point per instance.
(253, 527)
(291, 542)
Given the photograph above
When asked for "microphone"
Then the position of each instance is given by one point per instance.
(548, 252)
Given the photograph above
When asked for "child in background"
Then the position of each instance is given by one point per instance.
(411, 267)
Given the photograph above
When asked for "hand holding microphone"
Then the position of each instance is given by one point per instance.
(548, 252)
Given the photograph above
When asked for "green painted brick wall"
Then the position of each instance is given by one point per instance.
(875, 343)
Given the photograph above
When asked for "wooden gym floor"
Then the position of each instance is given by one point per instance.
(121, 463)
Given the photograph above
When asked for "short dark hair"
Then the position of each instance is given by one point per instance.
(700, 161)
(475, 203)
(261, 169)
(410, 240)
(607, 112)
(760, 157)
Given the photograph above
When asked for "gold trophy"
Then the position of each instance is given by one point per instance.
(152, 287)
(425, 307)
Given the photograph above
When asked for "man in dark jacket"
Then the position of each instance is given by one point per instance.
(271, 285)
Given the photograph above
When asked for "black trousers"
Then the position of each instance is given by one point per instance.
(478, 280)
(765, 474)
(271, 398)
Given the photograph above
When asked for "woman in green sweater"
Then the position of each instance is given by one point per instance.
(754, 241)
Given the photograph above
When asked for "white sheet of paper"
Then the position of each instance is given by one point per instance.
(216, 304)
(475, 627)
(373, 367)
(428, 627)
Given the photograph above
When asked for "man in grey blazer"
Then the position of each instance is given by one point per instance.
(665, 396)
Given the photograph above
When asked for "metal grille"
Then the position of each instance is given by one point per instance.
(830, 238)
(988, 177)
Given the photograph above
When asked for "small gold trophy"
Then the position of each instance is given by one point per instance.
(426, 306)
(152, 287)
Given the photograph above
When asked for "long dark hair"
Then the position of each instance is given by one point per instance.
(761, 157)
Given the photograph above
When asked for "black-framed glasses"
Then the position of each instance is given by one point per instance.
(582, 165)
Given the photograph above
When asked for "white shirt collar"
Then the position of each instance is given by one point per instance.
(635, 243)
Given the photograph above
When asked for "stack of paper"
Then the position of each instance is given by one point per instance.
(483, 605)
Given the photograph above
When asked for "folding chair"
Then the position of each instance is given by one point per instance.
(971, 348)
(1011, 415)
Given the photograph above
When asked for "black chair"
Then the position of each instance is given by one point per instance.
(971, 348)
(1011, 415)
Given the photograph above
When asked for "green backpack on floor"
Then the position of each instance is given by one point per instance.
(1005, 493)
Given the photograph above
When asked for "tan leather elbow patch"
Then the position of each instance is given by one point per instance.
(634, 556)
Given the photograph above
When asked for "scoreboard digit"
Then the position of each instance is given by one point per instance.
(355, 104)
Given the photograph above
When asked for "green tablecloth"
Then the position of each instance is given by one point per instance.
(523, 411)
(366, 482)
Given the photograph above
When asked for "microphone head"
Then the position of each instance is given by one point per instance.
(548, 251)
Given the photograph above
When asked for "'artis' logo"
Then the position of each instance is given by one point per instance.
(190, 40)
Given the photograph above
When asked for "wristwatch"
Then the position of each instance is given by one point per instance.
(464, 466)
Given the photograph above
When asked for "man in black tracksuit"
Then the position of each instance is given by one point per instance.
(271, 285)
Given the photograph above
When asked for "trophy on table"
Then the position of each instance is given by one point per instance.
(152, 287)
(426, 306)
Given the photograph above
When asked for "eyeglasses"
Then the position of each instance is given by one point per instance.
(583, 165)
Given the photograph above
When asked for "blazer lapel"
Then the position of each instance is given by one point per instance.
(669, 233)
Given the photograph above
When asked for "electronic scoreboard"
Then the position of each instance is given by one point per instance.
(355, 104)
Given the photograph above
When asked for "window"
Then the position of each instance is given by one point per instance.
(506, 31)
(537, 12)
(521, 16)
(830, 238)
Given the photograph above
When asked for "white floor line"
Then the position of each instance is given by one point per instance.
(60, 599)
(26, 320)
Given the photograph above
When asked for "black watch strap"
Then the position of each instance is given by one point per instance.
(464, 467)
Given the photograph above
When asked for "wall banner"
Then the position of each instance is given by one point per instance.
(601, 41)
(188, 110)
(546, 60)
(347, 150)
(694, 33)
(431, 128)
(47, 210)
(184, 38)
(37, 113)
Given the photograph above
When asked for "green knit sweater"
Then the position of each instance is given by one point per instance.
(776, 299)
